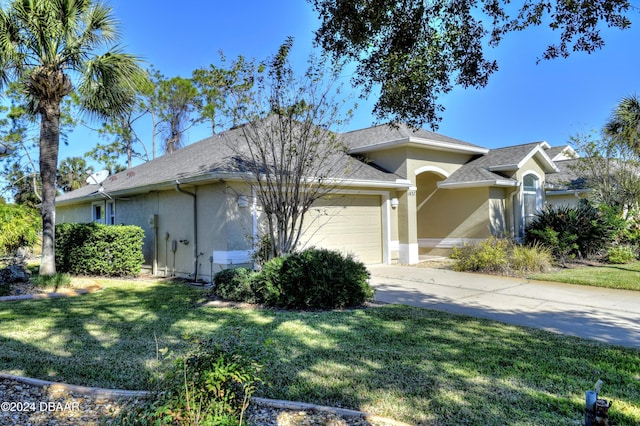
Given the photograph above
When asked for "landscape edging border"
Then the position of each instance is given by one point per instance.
(38, 296)
(274, 403)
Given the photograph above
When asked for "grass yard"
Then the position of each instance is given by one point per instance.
(418, 366)
(611, 276)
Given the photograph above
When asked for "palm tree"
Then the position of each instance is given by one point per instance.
(624, 124)
(72, 173)
(51, 47)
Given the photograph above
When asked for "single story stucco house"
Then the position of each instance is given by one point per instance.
(404, 194)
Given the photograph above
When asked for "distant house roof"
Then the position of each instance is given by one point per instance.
(486, 170)
(566, 178)
(208, 160)
(561, 153)
(390, 136)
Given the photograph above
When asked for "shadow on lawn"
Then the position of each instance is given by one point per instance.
(415, 365)
(428, 367)
(97, 339)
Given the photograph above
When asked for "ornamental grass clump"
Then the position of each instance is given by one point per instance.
(502, 256)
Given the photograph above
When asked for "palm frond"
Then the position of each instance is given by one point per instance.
(109, 83)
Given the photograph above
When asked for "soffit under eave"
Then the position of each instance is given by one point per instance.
(507, 183)
(421, 144)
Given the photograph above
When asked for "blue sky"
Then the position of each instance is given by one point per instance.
(523, 102)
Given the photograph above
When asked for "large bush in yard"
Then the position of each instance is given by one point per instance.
(98, 249)
(570, 231)
(236, 285)
(318, 278)
(314, 278)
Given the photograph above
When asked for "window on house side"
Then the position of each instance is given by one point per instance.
(111, 213)
(98, 213)
(532, 198)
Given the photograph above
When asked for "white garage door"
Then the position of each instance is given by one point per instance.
(347, 223)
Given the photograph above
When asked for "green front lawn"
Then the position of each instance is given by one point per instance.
(414, 365)
(612, 276)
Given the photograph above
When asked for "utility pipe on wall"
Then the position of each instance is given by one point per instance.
(195, 227)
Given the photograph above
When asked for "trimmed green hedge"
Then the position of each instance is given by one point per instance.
(98, 249)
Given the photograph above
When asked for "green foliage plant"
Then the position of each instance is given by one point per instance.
(502, 256)
(570, 231)
(323, 279)
(98, 249)
(313, 278)
(19, 227)
(621, 254)
(235, 284)
(527, 259)
(490, 255)
(211, 385)
(267, 284)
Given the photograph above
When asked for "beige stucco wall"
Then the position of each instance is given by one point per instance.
(406, 160)
(499, 224)
(174, 213)
(80, 213)
(456, 213)
(561, 200)
(449, 162)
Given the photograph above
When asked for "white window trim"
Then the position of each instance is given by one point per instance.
(539, 202)
(103, 212)
(110, 213)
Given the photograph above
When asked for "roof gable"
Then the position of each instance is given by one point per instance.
(485, 170)
(390, 136)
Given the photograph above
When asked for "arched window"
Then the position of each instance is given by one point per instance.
(531, 197)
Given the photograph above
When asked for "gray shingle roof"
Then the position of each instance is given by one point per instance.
(566, 178)
(211, 159)
(487, 167)
(371, 136)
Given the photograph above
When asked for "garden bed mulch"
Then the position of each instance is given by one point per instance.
(31, 293)
(27, 402)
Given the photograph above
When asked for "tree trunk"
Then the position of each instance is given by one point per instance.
(49, 144)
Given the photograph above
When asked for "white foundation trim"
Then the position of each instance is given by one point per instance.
(409, 254)
(232, 257)
(447, 242)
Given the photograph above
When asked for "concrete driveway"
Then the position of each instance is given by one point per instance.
(606, 315)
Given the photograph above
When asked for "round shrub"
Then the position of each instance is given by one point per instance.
(490, 255)
(502, 256)
(235, 284)
(266, 285)
(621, 254)
(323, 279)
